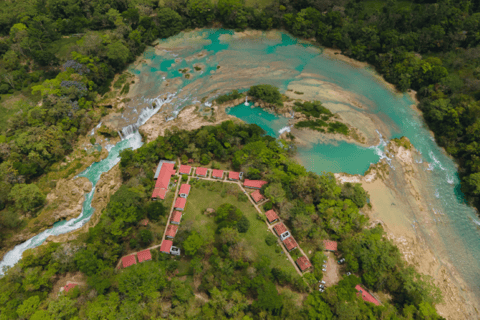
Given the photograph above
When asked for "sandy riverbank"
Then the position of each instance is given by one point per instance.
(419, 242)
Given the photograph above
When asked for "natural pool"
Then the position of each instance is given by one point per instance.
(232, 62)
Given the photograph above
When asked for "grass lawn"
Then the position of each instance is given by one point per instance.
(207, 194)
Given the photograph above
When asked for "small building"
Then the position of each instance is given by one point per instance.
(217, 174)
(175, 251)
(290, 244)
(184, 190)
(201, 172)
(184, 169)
(330, 245)
(165, 171)
(236, 176)
(280, 229)
(144, 255)
(69, 286)
(366, 296)
(285, 235)
(159, 193)
(271, 216)
(164, 165)
(143, 222)
(171, 231)
(180, 203)
(257, 196)
(166, 246)
(128, 261)
(176, 217)
(303, 263)
(254, 184)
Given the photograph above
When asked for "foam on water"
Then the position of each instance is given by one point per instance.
(284, 129)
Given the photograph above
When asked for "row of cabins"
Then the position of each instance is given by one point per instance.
(142, 256)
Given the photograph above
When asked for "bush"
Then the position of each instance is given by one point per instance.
(266, 93)
(184, 177)
(146, 237)
(268, 206)
(155, 210)
(228, 97)
(133, 243)
(270, 239)
(243, 224)
(242, 197)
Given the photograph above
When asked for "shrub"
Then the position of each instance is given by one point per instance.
(241, 197)
(146, 237)
(267, 93)
(243, 224)
(184, 177)
(133, 243)
(228, 97)
(155, 210)
(268, 206)
(270, 239)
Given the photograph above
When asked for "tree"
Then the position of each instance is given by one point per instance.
(118, 54)
(28, 307)
(63, 308)
(201, 12)
(141, 282)
(270, 239)
(243, 224)
(275, 192)
(27, 197)
(268, 298)
(155, 210)
(266, 93)
(146, 237)
(316, 308)
(169, 22)
(192, 244)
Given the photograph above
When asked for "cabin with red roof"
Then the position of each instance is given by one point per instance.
(184, 190)
(303, 263)
(165, 171)
(180, 204)
(366, 296)
(271, 216)
(176, 217)
(254, 184)
(202, 172)
(69, 286)
(257, 196)
(280, 229)
(290, 243)
(184, 169)
(128, 261)
(166, 246)
(217, 174)
(171, 231)
(236, 176)
(144, 255)
(330, 245)
(143, 222)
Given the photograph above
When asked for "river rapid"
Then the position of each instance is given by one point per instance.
(225, 60)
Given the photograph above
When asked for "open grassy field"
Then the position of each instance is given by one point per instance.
(207, 194)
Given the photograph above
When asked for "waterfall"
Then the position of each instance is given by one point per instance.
(246, 101)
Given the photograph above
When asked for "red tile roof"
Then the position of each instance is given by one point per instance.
(184, 169)
(290, 243)
(303, 263)
(217, 173)
(184, 188)
(271, 216)
(144, 222)
(171, 230)
(159, 193)
(69, 286)
(257, 196)
(176, 216)
(280, 228)
(330, 245)
(201, 171)
(164, 176)
(234, 175)
(144, 255)
(254, 183)
(128, 261)
(166, 245)
(367, 297)
(180, 203)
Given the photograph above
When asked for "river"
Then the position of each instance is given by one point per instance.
(227, 61)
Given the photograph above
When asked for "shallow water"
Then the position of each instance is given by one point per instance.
(282, 61)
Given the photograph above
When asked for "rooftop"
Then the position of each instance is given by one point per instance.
(217, 173)
(144, 255)
(330, 245)
(171, 230)
(271, 216)
(201, 171)
(290, 243)
(128, 261)
(166, 245)
(234, 175)
(367, 297)
(184, 188)
(176, 216)
(303, 263)
(170, 165)
(280, 228)
(184, 169)
(254, 183)
(257, 196)
(159, 193)
(143, 222)
(180, 203)
(69, 286)
(166, 172)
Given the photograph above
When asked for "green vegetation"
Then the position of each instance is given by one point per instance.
(241, 270)
(403, 142)
(228, 97)
(266, 93)
(315, 109)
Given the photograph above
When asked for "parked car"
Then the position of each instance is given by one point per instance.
(322, 282)
(349, 273)
(341, 261)
(321, 290)
(324, 266)
(324, 270)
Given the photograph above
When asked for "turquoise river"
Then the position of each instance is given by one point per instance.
(228, 61)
